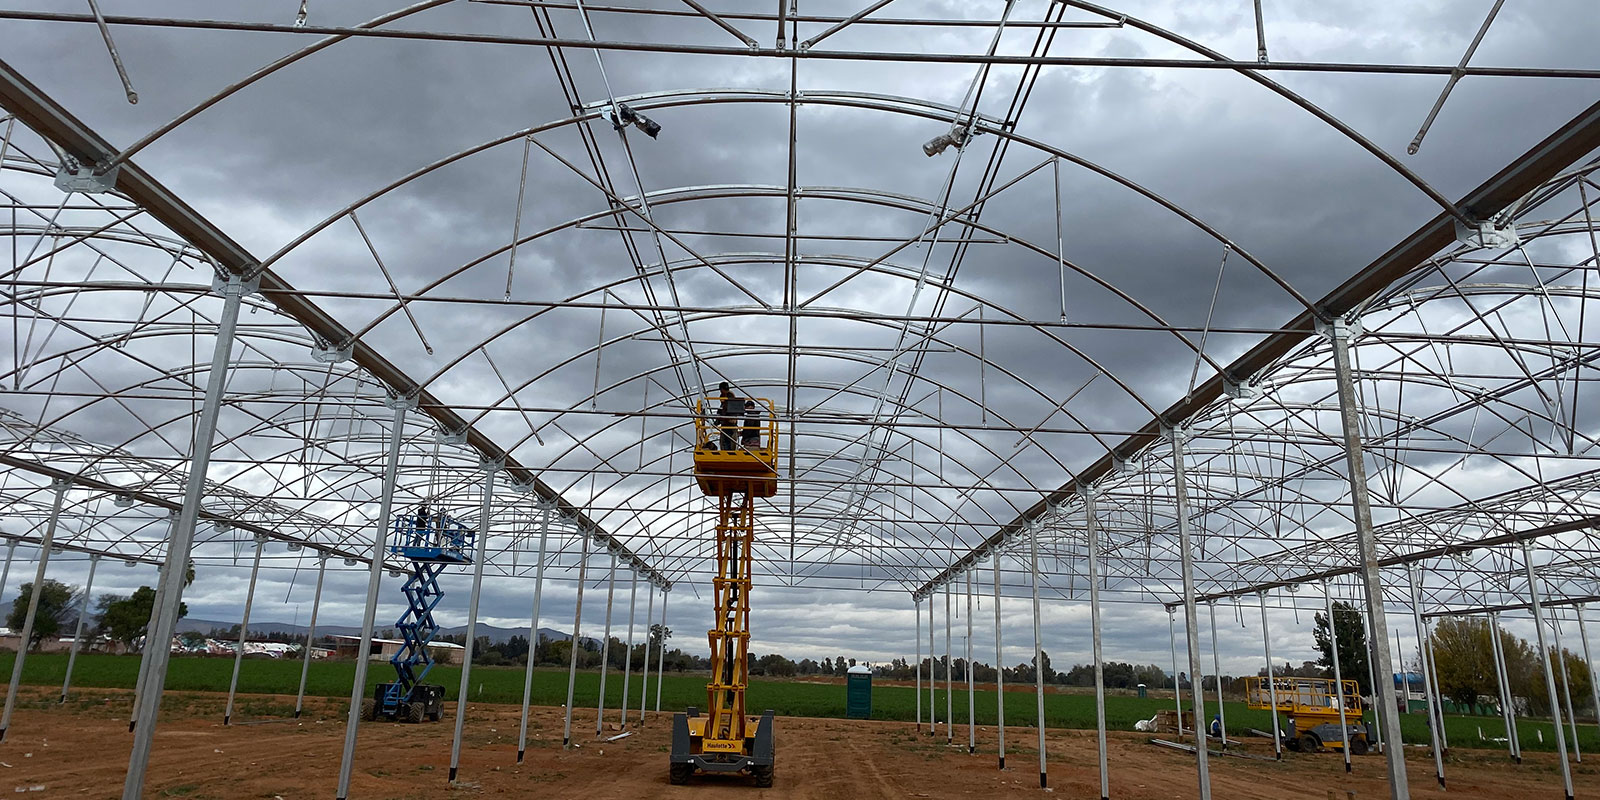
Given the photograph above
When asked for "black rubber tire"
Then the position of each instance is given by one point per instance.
(1292, 742)
(1309, 743)
(763, 776)
(678, 774)
(436, 715)
(1358, 745)
(416, 712)
(369, 710)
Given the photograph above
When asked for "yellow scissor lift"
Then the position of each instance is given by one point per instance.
(1312, 706)
(725, 740)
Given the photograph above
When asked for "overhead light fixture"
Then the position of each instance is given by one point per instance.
(623, 115)
(957, 136)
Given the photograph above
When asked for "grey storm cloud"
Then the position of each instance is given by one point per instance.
(269, 163)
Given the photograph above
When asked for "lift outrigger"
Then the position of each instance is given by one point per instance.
(430, 542)
(734, 461)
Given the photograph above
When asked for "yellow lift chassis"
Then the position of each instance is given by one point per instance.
(735, 461)
(1312, 705)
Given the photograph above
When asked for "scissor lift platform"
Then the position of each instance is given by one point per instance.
(430, 543)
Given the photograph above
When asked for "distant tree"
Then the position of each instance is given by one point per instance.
(557, 652)
(124, 619)
(56, 601)
(1576, 670)
(1044, 665)
(514, 649)
(1352, 643)
(659, 633)
(775, 665)
(1464, 658)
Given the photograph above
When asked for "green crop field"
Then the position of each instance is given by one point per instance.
(786, 697)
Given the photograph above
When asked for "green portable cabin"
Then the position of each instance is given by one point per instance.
(858, 693)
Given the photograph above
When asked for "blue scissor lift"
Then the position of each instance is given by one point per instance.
(430, 542)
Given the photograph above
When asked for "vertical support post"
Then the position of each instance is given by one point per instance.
(244, 628)
(480, 546)
(1566, 689)
(1549, 675)
(158, 650)
(972, 697)
(83, 614)
(917, 614)
(1507, 710)
(1191, 616)
(5, 572)
(1272, 681)
(999, 668)
(644, 680)
(149, 628)
(1261, 36)
(1583, 634)
(627, 661)
(1216, 667)
(533, 631)
(1038, 649)
(949, 674)
(45, 543)
(1371, 569)
(1092, 534)
(577, 622)
(661, 652)
(358, 687)
(1433, 685)
(1380, 694)
(1338, 673)
(605, 644)
(1177, 685)
(311, 634)
(1434, 721)
(933, 674)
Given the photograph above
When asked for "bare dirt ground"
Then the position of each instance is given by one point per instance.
(80, 750)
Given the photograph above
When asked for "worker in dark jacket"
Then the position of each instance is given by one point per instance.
(751, 439)
(728, 413)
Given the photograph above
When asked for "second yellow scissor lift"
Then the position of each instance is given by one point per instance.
(1312, 706)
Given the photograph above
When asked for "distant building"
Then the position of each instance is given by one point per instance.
(382, 649)
(11, 640)
(1409, 689)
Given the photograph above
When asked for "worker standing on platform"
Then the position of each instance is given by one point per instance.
(728, 416)
(751, 439)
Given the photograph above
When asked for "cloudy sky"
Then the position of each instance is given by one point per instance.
(277, 165)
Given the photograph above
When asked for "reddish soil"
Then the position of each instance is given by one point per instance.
(81, 750)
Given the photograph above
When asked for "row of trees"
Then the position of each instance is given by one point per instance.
(516, 650)
(122, 618)
(1464, 659)
(1463, 653)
